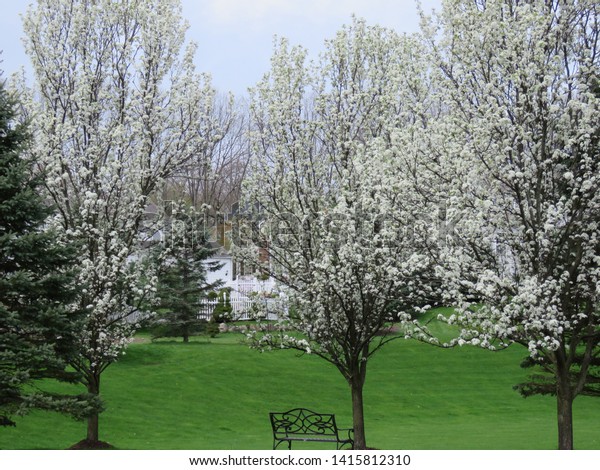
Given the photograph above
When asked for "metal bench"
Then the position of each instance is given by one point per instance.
(304, 425)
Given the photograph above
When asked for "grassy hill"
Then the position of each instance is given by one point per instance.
(217, 394)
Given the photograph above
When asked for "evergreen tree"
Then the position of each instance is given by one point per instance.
(37, 330)
(182, 283)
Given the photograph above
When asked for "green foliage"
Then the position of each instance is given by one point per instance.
(38, 332)
(543, 379)
(222, 312)
(182, 285)
(211, 329)
(174, 329)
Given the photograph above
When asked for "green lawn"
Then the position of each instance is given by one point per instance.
(217, 395)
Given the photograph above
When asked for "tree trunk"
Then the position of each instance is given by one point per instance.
(93, 388)
(564, 402)
(358, 417)
(357, 382)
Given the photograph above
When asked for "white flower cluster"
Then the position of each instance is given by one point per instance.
(341, 222)
(519, 85)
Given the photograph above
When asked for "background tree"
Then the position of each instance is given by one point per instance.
(117, 104)
(522, 164)
(38, 329)
(214, 176)
(334, 222)
(182, 284)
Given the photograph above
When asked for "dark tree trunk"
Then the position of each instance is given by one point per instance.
(358, 417)
(357, 382)
(93, 388)
(564, 401)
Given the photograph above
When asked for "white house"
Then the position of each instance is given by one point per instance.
(225, 272)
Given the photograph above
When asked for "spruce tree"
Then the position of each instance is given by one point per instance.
(182, 282)
(37, 329)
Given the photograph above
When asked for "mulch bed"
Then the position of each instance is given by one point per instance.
(91, 445)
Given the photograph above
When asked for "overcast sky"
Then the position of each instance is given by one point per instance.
(235, 37)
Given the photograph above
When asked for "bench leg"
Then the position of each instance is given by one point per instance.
(276, 445)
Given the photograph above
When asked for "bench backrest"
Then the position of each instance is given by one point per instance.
(301, 421)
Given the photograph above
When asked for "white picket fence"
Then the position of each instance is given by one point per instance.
(241, 302)
(245, 285)
(242, 307)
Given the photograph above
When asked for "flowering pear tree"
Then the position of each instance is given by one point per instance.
(116, 111)
(521, 86)
(332, 222)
